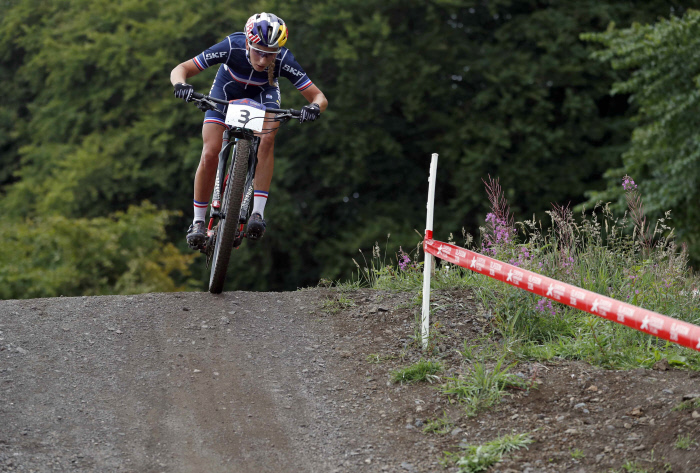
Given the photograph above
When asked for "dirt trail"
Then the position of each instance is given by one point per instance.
(257, 382)
(169, 382)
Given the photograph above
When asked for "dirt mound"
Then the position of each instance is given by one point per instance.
(300, 382)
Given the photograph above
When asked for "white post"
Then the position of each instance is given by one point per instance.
(428, 263)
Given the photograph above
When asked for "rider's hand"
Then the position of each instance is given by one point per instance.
(183, 91)
(309, 113)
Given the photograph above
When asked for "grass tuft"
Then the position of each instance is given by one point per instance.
(376, 358)
(477, 458)
(421, 371)
(337, 303)
(684, 442)
(577, 454)
(688, 405)
(440, 426)
(482, 388)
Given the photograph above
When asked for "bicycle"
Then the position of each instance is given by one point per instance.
(233, 188)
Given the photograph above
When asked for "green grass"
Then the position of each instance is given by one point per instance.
(633, 467)
(336, 304)
(477, 458)
(577, 454)
(347, 286)
(480, 350)
(688, 405)
(684, 442)
(440, 426)
(421, 371)
(481, 388)
(434, 334)
(376, 358)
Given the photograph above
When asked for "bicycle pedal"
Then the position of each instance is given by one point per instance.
(204, 247)
(197, 247)
(254, 236)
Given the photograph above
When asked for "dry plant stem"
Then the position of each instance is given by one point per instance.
(500, 222)
(641, 230)
(499, 204)
(564, 223)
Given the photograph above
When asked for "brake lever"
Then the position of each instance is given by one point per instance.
(283, 117)
(204, 105)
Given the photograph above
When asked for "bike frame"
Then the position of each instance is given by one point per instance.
(230, 137)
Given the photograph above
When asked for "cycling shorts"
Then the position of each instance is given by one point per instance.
(226, 87)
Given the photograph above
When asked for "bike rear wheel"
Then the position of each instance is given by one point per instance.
(230, 210)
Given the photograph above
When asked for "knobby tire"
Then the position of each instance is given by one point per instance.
(231, 208)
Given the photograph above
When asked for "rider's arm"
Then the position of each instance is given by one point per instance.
(290, 68)
(215, 54)
(314, 95)
(183, 71)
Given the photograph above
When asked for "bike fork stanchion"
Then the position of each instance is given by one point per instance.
(428, 263)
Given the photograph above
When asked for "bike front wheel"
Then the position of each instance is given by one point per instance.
(230, 210)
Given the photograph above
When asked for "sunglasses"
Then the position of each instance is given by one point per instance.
(260, 52)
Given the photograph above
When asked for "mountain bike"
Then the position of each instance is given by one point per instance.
(234, 186)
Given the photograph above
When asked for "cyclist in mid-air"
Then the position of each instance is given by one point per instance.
(251, 61)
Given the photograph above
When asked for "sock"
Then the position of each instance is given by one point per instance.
(259, 201)
(200, 211)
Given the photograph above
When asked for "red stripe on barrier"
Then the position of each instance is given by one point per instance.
(647, 321)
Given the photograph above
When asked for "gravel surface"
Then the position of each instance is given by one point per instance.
(299, 381)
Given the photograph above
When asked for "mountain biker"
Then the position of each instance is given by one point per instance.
(251, 61)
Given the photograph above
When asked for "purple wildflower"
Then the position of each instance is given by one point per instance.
(501, 233)
(545, 305)
(628, 184)
(404, 260)
(523, 257)
(499, 229)
(566, 262)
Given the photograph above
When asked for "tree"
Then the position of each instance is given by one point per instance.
(502, 87)
(664, 85)
(86, 132)
(125, 253)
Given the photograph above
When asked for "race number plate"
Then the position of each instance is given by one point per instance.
(245, 113)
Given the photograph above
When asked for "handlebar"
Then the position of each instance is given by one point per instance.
(207, 98)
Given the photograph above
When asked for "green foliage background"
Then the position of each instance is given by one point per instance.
(664, 83)
(97, 158)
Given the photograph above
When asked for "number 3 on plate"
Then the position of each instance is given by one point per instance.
(245, 114)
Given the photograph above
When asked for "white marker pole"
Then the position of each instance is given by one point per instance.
(428, 263)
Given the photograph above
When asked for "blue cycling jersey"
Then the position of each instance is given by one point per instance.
(231, 54)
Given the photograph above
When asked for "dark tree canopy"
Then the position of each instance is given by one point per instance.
(91, 137)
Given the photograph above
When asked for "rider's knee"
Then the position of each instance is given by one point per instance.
(210, 155)
(267, 140)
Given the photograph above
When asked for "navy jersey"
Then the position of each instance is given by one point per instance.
(231, 54)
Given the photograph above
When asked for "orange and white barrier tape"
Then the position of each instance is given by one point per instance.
(647, 321)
